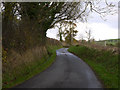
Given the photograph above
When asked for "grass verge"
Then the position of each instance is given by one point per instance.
(104, 63)
(29, 70)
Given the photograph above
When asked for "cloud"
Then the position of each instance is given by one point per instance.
(103, 31)
(52, 33)
(99, 31)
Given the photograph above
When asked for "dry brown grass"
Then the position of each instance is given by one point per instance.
(15, 60)
(52, 42)
(19, 64)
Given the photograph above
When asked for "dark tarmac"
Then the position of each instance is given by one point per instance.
(68, 71)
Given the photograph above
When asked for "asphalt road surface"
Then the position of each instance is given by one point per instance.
(68, 71)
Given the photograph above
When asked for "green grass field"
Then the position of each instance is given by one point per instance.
(103, 63)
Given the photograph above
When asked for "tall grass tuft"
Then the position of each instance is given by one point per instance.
(13, 67)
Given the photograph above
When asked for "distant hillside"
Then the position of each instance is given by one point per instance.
(112, 42)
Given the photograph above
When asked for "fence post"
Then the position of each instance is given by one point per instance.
(105, 43)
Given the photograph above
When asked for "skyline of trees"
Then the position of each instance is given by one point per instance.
(25, 24)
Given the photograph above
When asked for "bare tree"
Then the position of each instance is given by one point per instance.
(80, 10)
(89, 35)
(60, 31)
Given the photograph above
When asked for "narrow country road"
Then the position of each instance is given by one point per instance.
(68, 71)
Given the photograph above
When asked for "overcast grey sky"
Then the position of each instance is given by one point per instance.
(101, 29)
